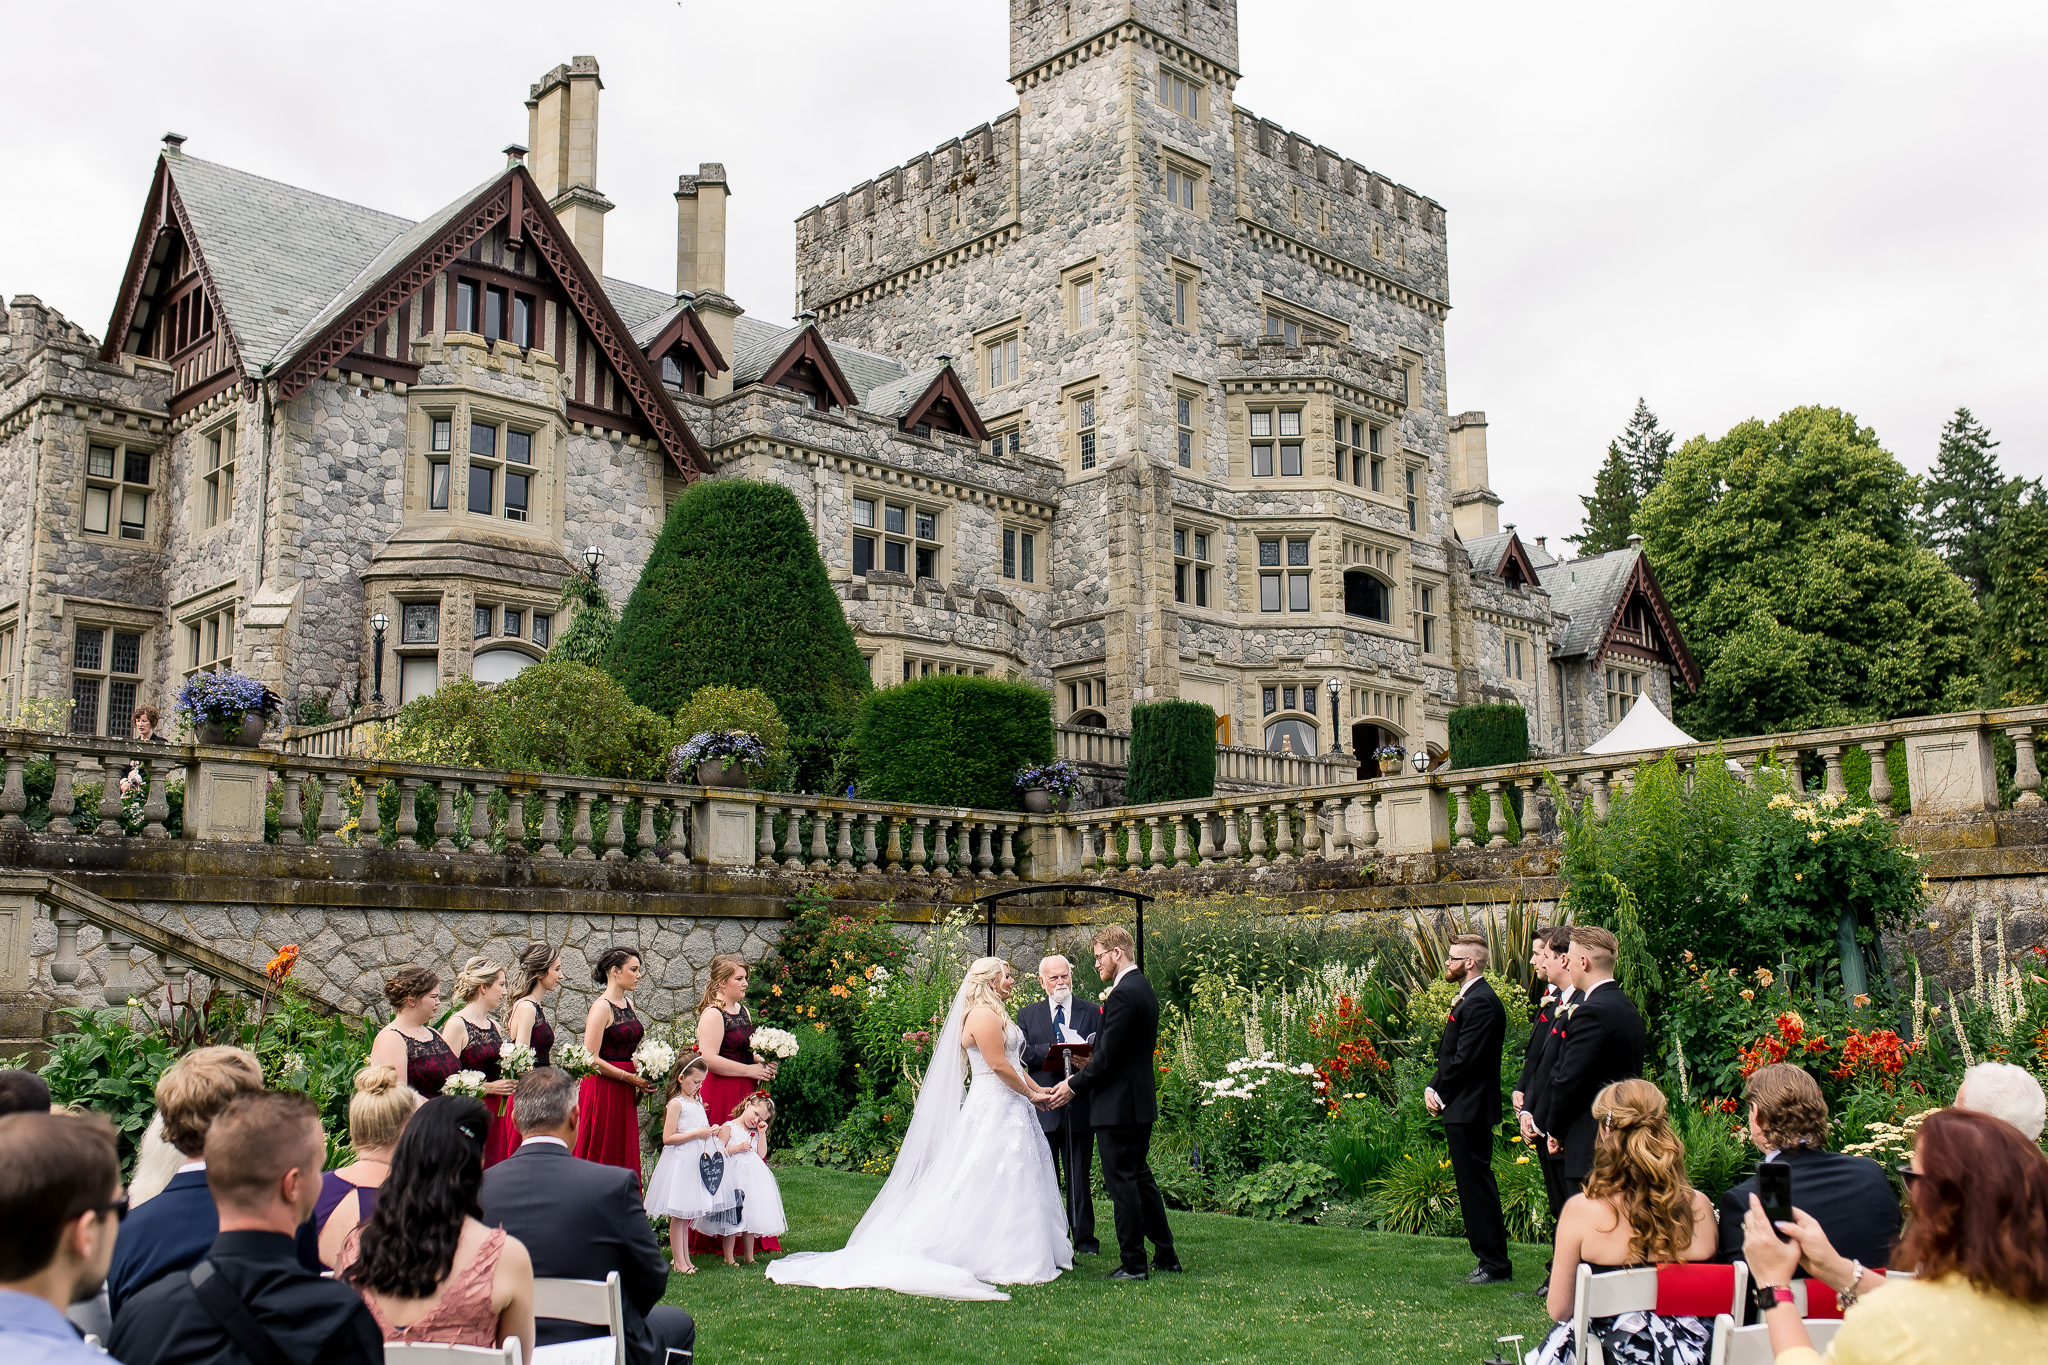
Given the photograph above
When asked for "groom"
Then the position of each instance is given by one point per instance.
(1122, 1106)
(1055, 1019)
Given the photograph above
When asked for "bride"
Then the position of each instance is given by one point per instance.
(972, 1201)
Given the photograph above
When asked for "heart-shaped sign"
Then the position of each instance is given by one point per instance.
(711, 1166)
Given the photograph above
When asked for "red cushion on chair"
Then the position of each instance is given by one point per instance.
(1821, 1301)
(1695, 1291)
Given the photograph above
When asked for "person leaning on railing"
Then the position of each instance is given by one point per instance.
(1976, 1242)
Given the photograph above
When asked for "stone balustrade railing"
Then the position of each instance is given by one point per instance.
(338, 801)
(1235, 766)
(349, 738)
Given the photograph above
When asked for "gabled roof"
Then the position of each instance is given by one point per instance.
(656, 336)
(1492, 555)
(910, 398)
(769, 359)
(1596, 590)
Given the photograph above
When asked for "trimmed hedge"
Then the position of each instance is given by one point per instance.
(1173, 752)
(952, 741)
(1482, 736)
(734, 594)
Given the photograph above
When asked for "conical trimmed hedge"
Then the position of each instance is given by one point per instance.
(735, 594)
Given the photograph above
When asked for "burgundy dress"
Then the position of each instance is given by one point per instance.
(429, 1062)
(505, 1137)
(608, 1111)
(722, 1096)
(481, 1052)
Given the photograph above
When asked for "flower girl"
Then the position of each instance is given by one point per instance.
(758, 1210)
(692, 1179)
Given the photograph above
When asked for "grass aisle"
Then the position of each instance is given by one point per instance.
(1255, 1292)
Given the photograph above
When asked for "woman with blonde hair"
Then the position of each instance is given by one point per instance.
(725, 1032)
(377, 1114)
(473, 1036)
(1637, 1209)
(539, 971)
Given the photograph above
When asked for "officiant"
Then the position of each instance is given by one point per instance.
(1062, 1017)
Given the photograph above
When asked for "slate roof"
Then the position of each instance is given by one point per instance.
(864, 370)
(1589, 591)
(278, 254)
(1486, 551)
(640, 306)
(894, 398)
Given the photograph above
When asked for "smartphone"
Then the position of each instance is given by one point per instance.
(1774, 1190)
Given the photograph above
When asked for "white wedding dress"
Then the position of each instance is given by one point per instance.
(972, 1202)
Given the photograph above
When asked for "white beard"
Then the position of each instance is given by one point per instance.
(1061, 1000)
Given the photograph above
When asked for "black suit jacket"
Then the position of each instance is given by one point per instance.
(313, 1321)
(1849, 1196)
(1467, 1075)
(580, 1221)
(1118, 1078)
(1601, 1042)
(1540, 1058)
(1083, 1017)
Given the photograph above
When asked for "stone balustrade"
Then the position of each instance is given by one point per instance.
(1109, 751)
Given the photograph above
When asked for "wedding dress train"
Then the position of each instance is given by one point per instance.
(972, 1201)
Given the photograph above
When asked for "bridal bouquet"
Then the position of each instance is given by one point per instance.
(515, 1061)
(575, 1059)
(654, 1059)
(775, 1042)
(470, 1083)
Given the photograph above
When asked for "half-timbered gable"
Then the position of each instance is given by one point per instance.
(1619, 642)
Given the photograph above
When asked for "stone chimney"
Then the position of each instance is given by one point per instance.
(561, 123)
(700, 230)
(1475, 508)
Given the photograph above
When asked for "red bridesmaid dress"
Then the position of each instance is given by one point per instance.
(482, 1052)
(505, 1137)
(722, 1095)
(608, 1111)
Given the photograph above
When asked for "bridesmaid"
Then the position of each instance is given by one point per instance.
(408, 1044)
(725, 1031)
(540, 971)
(474, 1037)
(608, 1105)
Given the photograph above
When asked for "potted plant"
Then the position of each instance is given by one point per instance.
(718, 758)
(1389, 757)
(227, 708)
(1049, 786)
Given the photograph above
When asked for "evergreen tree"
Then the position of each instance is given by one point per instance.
(734, 593)
(2016, 612)
(1633, 468)
(1963, 499)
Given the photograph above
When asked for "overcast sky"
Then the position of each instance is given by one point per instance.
(1729, 209)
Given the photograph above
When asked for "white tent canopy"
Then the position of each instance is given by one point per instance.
(1643, 728)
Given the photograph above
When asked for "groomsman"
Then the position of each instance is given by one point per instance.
(1465, 1094)
(1550, 960)
(1059, 1018)
(1601, 1041)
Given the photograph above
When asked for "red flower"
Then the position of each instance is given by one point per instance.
(281, 966)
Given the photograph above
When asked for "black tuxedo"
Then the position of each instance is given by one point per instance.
(1066, 1128)
(1537, 1064)
(1467, 1080)
(580, 1221)
(1849, 1196)
(1117, 1085)
(310, 1319)
(1600, 1042)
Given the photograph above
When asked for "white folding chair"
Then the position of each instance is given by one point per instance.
(599, 1303)
(1624, 1291)
(1752, 1345)
(438, 1353)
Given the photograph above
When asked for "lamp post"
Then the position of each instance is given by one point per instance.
(1419, 760)
(592, 557)
(1334, 686)
(378, 625)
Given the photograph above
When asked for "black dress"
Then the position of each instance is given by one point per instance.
(1631, 1338)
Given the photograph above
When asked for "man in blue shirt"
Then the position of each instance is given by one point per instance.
(60, 1212)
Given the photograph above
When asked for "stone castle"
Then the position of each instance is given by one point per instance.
(1127, 392)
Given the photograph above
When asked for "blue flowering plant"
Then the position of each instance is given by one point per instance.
(726, 747)
(1393, 751)
(223, 698)
(1060, 777)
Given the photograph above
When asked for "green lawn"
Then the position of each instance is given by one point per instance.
(1253, 1292)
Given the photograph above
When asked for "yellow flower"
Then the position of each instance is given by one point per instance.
(1521, 1161)
(1798, 876)
(1814, 837)
(1443, 1165)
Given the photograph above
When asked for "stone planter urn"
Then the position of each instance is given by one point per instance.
(1390, 767)
(1039, 801)
(722, 773)
(215, 732)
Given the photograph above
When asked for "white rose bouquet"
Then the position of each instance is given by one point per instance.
(575, 1059)
(775, 1042)
(654, 1059)
(515, 1061)
(470, 1083)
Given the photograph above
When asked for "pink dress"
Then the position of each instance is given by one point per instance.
(463, 1317)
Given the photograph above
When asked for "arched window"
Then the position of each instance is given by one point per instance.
(499, 665)
(1089, 720)
(1366, 595)
(1293, 736)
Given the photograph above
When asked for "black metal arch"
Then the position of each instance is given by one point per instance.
(1137, 898)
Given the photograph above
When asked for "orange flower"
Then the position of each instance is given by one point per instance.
(281, 966)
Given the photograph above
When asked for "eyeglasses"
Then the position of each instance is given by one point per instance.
(117, 1207)
(1908, 1175)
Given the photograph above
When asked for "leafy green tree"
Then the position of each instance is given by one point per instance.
(1964, 498)
(1633, 467)
(1173, 752)
(588, 638)
(735, 594)
(2016, 612)
(1786, 550)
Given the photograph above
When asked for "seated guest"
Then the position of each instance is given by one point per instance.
(173, 1230)
(348, 1194)
(1976, 1241)
(2007, 1092)
(250, 1302)
(23, 1092)
(60, 1213)
(1849, 1196)
(1635, 1210)
(580, 1221)
(428, 1268)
